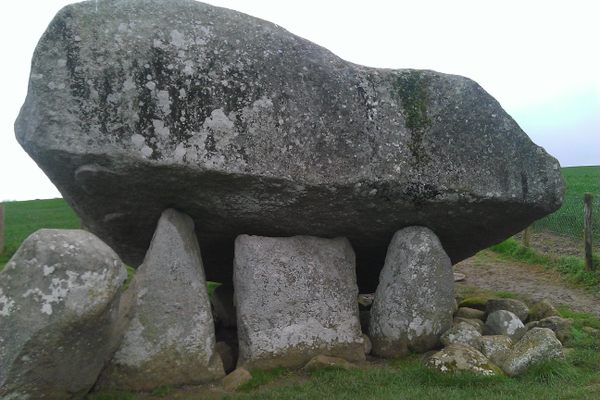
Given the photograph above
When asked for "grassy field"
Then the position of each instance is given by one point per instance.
(568, 220)
(22, 218)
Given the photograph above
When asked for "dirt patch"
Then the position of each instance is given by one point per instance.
(555, 245)
(487, 271)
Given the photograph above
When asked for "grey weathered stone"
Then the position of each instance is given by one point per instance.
(137, 104)
(476, 323)
(223, 307)
(470, 313)
(537, 345)
(295, 298)
(516, 307)
(228, 356)
(171, 339)
(542, 309)
(235, 379)
(414, 301)
(463, 333)
(365, 300)
(59, 315)
(494, 347)
(460, 357)
(368, 346)
(321, 361)
(504, 322)
(560, 326)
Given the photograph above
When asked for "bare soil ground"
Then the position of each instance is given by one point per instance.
(556, 245)
(487, 271)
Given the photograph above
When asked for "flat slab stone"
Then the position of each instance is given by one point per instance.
(134, 106)
(414, 301)
(60, 297)
(295, 298)
(171, 338)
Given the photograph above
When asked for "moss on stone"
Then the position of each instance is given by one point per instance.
(411, 87)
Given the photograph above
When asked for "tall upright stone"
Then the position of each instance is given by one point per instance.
(171, 339)
(414, 301)
(244, 126)
(60, 296)
(295, 298)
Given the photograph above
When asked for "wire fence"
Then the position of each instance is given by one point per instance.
(568, 220)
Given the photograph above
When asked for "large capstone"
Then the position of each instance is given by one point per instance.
(295, 298)
(414, 301)
(59, 315)
(139, 105)
(171, 337)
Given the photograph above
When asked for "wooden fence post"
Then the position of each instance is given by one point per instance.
(587, 230)
(1, 228)
(527, 236)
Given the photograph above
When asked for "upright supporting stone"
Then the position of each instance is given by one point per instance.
(295, 298)
(171, 339)
(60, 297)
(414, 301)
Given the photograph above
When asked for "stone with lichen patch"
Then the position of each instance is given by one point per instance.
(60, 297)
(476, 323)
(537, 345)
(414, 301)
(560, 326)
(460, 358)
(138, 104)
(470, 313)
(542, 309)
(235, 379)
(517, 307)
(295, 298)
(171, 338)
(461, 332)
(504, 322)
(494, 347)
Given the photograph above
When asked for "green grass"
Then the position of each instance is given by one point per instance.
(22, 218)
(568, 220)
(263, 377)
(571, 267)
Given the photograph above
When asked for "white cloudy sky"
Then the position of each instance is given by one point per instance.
(540, 59)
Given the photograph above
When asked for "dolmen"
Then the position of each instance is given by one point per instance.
(198, 144)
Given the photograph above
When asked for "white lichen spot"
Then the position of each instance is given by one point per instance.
(179, 152)
(146, 151)
(188, 69)
(61, 62)
(177, 39)
(138, 140)
(182, 93)
(164, 101)
(150, 85)
(48, 270)
(6, 304)
(160, 128)
(512, 326)
(218, 121)
(262, 103)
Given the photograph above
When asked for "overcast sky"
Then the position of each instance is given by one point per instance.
(540, 59)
